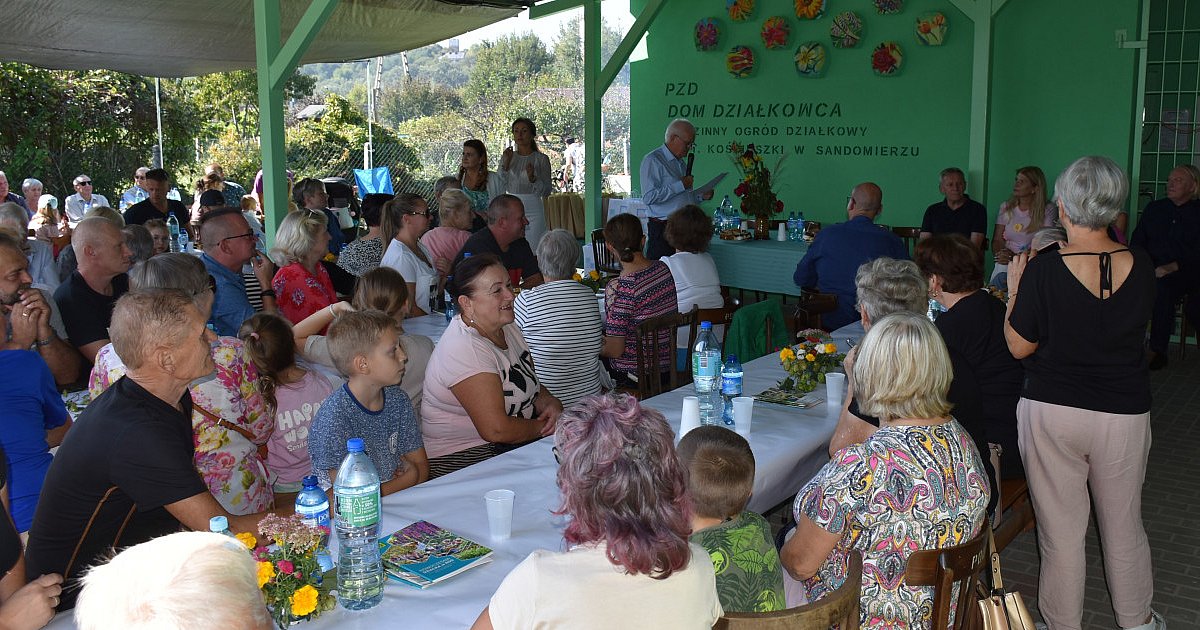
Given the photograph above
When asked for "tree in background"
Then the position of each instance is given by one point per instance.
(56, 124)
(501, 65)
(567, 66)
(230, 99)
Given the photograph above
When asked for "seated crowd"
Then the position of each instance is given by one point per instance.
(219, 379)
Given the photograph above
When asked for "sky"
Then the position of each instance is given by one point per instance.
(615, 12)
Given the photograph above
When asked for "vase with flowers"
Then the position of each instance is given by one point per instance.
(289, 574)
(755, 190)
(807, 362)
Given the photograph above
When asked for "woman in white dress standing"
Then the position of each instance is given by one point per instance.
(525, 172)
(405, 219)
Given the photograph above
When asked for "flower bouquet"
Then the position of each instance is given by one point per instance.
(807, 362)
(755, 191)
(591, 280)
(288, 572)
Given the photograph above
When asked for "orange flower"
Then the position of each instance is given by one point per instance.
(304, 601)
(246, 538)
(810, 357)
(266, 571)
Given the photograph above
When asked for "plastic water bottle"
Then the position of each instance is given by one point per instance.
(706, 375)
(185, 243)
(219, 525)
(313, 506)
(731, 386)
(728, 214)
(356, 495)
(451, 311)
(800, 225)
(718, 220)
(173, 228)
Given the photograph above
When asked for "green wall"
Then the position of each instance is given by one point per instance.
(1060, 89)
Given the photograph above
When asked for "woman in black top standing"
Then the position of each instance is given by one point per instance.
(1078, 317)
(973, 328)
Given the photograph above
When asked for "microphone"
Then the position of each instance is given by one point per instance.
(690, 160)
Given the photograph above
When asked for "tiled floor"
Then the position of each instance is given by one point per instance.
(1170, 507)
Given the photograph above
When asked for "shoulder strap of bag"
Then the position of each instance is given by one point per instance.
(997, 582)
(223, 423)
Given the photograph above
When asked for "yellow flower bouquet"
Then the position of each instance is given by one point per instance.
(590, 279)
(807, 362)
(288, 572)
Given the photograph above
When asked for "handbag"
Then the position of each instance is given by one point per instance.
(1001, 610)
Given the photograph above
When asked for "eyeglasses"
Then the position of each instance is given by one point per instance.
(212, 286)
(249, 234)
(557, 458)
(87, 183)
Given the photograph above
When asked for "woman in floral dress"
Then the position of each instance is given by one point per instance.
(917, 483)
(229, 418)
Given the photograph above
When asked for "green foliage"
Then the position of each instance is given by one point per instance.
(332, 146)
(56, 124)
(567, 67)
(501, 64)
(414, 99)
(230, 99)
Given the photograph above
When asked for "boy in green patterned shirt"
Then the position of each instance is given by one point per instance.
(720, 468)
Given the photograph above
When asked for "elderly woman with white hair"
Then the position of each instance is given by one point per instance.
(302, 285)
(1078, 319)
(561, 323)
(186, 581)
(862, 499)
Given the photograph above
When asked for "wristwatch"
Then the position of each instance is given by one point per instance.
(265, 293)
(42, 343)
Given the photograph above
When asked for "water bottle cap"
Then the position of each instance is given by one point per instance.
(355, 445)
(705, 325)
(218, 524)
(310, 481)
(466, 255)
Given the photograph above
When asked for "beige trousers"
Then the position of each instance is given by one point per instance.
(1067, 453)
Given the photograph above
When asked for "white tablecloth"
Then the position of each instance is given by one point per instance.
(431, 325)
(789, 446)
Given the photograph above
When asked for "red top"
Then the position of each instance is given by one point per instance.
(299, 293)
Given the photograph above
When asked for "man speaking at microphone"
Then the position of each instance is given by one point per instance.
(666, 181)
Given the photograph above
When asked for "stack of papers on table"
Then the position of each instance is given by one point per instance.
(424, 554)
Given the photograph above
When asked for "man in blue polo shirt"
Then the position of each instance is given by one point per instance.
(229, 244)
(838, 250)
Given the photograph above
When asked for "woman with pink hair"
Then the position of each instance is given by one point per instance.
(629, 562)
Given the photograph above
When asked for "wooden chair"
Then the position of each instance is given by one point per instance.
(1015, 512)
(839, 607)
(652, 334)
(910, 236)
(812, 305)
(943, 569)
(606, 263)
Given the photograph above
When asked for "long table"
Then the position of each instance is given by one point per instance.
(789, 446)
(765, 266)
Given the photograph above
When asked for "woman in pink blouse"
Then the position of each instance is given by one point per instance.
(302, 285)
(447, 239)
(1026, 211)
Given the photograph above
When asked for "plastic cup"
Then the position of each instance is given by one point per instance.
(835, 386)
(499, 511)
(690, 419)
(743, 412)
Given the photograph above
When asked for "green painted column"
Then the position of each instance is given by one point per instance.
(596, 81)
(982, 13)
(276, 59)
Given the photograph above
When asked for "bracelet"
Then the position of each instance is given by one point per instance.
(331, 313)
(267, 293)
(42, 343)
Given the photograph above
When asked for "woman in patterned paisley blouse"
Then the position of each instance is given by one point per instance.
(917, 483)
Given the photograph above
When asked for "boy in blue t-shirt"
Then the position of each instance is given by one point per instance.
(720, 469)
(365, 347)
